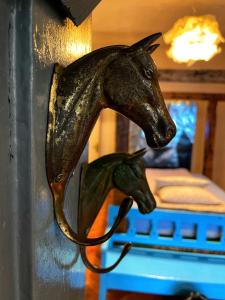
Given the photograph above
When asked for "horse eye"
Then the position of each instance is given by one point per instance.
(148, 73)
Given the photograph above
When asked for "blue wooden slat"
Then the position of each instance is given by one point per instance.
(200, 220)
(159, 273)
(201, 233)
(168, 272)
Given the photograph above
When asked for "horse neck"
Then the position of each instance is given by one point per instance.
(85, 106)
(78, 103)
(87, 109)
(95, 186)
(97, 182)
(86, 98)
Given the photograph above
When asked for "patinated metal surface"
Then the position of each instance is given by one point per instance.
(123, 171)
(119, 77)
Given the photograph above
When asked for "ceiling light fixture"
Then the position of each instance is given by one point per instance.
(194, 38)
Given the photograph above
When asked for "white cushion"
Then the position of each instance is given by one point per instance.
(151, 174)
(187, 194)
(180, 181)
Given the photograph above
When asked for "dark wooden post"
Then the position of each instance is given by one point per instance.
(210, 132)
(36, 261)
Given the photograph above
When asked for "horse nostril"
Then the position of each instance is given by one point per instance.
(171, 131)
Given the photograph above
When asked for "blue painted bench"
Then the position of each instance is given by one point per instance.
(174, 253)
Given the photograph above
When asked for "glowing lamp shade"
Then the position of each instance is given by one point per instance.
(194, 38)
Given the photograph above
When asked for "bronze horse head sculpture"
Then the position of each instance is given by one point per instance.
(123, 78)
(123, 171)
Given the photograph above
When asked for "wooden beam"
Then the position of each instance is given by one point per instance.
(122, 133)
(210, 132)
(194, 96)
(192, 76)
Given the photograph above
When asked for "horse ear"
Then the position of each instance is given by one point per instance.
(145, 43)
(137, 154)
(152, 48)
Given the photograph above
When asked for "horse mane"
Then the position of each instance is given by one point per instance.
(96, 182)
(101, 170)
(82, 78)
(89, 69)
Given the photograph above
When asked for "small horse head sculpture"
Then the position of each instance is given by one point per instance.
(123, 171)
(119, 77)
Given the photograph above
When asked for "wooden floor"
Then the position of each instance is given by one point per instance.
(92, 279)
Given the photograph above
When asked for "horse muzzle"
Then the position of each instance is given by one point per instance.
(146, 203)
(158, 139)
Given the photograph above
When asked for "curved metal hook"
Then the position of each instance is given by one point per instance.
(124, 252)
(96, 269)
(83, 241)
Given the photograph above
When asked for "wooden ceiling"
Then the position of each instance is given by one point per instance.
(126, 21)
